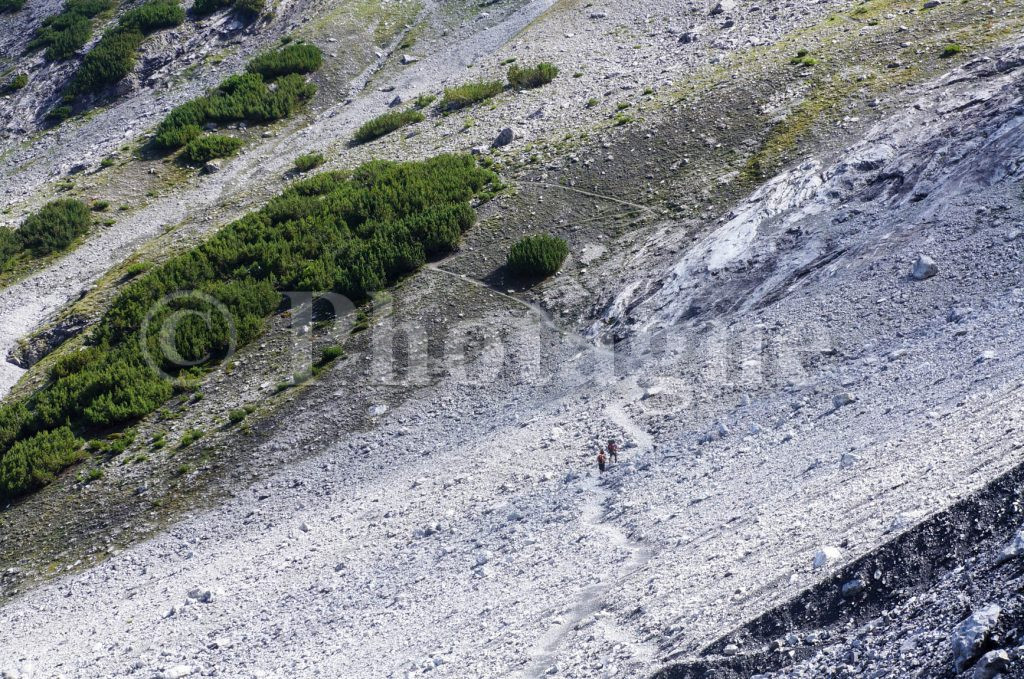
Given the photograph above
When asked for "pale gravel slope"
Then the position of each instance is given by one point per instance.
(520, 572)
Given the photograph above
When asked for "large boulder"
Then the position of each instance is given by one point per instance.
(971, 633)
(924, 268)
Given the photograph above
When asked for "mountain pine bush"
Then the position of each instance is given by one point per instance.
(244, 97)
(528, 78)
(293, 58)
(537, 256)
(386, 124)
(309, 161)
(348, 232)
(114, 56)
(35, 461)
(64, 34)
(54, 227)
(11, 5)
(470, 93)
(10, 245)
(210, 146)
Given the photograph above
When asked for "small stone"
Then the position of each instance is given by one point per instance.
(924, 268)
(843, 399)
(212, 167)
(853, 588)
(504, 138)
(409, 59)
(177, 672)
(824, 556)
(723, 7)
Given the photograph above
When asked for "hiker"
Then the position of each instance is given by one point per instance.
(600, 459)
(613, 451)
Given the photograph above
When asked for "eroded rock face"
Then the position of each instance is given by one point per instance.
(32, 350)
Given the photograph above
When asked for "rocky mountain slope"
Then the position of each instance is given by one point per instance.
(792, 294)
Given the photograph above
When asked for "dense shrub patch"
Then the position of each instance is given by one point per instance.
(11, 5)
(54, 227)
(537, 256)
(293, 58)
(208, 147)
(470, 93)
(245, 97)
(247, 8)
(385, 124)
(309, 161)
(114, 56)
(348, 232)
(64, 34)
(527, 78)
(35, 462)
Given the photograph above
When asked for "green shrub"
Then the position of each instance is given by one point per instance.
(331, 353)
(206, 7)
(803, 58)
(424, 100)
(54, 227)
(237, 415)
(243, 97)
(210, 146)
(59, 114)
(348, 232)
(385, 124)
(19, 81)
(35, 461)
(293, 58)
(114, 56)
(470, 93)
(951, 50)
(309, 161)
(64, 34)
(250, 8)
(153, 16)
(100, 205)
(190, 437)
(537, 256)
(528, 78)
(11, 5)
(10, 246)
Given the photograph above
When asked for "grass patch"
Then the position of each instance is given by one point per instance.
(471, 93)
(386, 124)
(424, 100)
(951, 50)
(16, 82)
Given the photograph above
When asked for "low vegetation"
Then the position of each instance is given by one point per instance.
(114, 56)
(424, 100)
(64, 34)
(249, 9)
(210, 146)
(951, 50)
(804, 59)
(15, 83)
(386, 124)
(537, 256)
(52, 229)
(245, 97)
(309, 161)
(352, 233)
(468, 94)
(11, 5)
(292, 58)
(535, 76)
